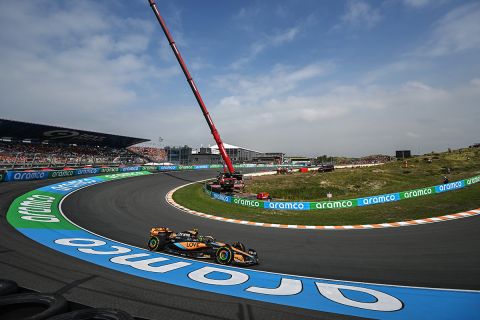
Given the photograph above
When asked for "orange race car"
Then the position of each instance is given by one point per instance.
(191, 244)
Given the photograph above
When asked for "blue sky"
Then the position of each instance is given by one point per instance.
(304, 77)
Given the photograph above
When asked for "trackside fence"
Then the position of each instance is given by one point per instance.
(28, 175)
(347, 203)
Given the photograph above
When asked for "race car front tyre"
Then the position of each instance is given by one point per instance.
(224, 255)
(157, 243)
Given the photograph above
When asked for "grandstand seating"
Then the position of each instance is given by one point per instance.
(151, 153)
(21, 155)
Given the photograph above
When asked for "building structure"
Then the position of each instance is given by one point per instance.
(298, 160)
(269, 158)
(205, 156)
(402, 154)
(238, 154)
(179, 154)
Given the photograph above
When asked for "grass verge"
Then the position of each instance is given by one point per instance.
(465, 199)
(422, 171)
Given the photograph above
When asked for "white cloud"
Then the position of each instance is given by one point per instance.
(66, 65)
(360, 14)
(419, 3)
(100, 72)
(457, 31)
(394, 68)
(475, 82)
(356, 120)
(248, 12)
(266, 42)
(281, 79)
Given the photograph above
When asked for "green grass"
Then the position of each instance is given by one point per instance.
(359, 182)
(194, 198)
(354, 183)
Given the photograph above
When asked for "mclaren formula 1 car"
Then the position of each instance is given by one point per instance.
(191, 244)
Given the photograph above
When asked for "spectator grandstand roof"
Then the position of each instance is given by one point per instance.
(17, 130)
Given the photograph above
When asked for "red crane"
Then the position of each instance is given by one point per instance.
(194, 88)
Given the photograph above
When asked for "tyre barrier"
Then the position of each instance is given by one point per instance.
(94, 313)
(43, 306)
(8, 287)
(39, 306)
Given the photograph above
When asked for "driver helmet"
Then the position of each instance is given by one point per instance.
(194, 233)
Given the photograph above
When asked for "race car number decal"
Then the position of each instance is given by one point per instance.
(192, 244)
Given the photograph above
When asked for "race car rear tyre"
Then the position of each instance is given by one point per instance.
(224, 255)
(157, 243)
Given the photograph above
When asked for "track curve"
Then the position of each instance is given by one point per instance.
(449, 249)
(442, 255)
(39, 268)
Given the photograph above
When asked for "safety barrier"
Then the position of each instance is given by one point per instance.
(347, 203)
(37, 215)
(45, 174)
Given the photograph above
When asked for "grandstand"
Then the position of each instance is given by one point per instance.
(156, 155)
(26, 145)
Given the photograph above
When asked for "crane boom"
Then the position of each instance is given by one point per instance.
(194, 88)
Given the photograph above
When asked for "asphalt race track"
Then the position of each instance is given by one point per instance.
(438, 255)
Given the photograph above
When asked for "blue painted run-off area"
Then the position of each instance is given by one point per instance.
(348, 298)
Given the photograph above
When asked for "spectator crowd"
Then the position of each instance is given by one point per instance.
(151, 153)
(35, 155)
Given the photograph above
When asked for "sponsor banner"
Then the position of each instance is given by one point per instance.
(166, 168)
(109, 170)
(83, 171)
(472, 180)
(450, 186)
(384, 198)
(148, 168)
(61, 173)
(70, 186)
(130, 169)
(366, 201)
(339, 297)
(186, 167)
(222, 197)
(417, 193)
(199, 167)
(286, 205)
(25, 175)
(38, 210)
(123, 175)
(248, 202)
(339, 204)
